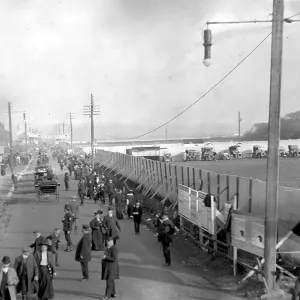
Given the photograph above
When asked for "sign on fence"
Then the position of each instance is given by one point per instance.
(248, 233)
(184, 201)
(191, 206)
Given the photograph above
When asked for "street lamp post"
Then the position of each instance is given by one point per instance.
(271, 206)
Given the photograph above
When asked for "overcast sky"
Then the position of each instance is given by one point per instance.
(142, 60)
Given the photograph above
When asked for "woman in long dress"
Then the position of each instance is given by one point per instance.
(46, 265)
(98, 232)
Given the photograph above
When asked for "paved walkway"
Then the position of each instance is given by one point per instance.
(143, 275)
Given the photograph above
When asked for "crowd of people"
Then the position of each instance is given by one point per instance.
(33, 271)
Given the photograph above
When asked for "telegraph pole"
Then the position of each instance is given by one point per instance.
(271, 208)
(26, 139)
(91, 111)
(10, 141)
(71, 128)
(239, 123)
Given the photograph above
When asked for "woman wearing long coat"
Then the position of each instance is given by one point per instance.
(120, 204)
(98, 232)
(46, 265)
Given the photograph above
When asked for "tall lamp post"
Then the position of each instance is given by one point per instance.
(271, 206)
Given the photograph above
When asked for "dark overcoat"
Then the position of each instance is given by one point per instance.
(84, 249)
(97, 234)
(137, 213)
(50, 260)
(111, 223)
(110, 265)
(36, 245)
(32, 271)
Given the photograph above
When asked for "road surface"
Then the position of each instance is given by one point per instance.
(143, 276)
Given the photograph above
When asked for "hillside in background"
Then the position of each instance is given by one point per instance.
(290, 129)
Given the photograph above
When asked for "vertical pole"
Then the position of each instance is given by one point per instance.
(63, 128)
(71, 128)
(10, 140)
(26, 140)
(239, 122)
(271, 210)
(92, 129)
(234, 207)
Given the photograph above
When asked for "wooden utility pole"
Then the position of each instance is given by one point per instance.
(92, 131)
(11, 161)
(71, 128)
(26, 139)
(91, 111)
(271, 208)
(239, 123)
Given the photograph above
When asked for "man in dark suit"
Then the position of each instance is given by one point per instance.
(28, 273)
(110, 269)
(83, 252)
(110, 191)
(38, 240)
(55, 240)
(67, 227)
(111, 223)
(137, 213)
(165, 233)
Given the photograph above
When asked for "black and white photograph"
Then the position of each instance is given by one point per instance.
(149, 149)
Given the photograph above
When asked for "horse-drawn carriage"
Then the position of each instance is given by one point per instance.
(46, 188)
(39, 174)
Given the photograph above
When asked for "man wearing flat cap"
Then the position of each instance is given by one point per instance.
(8, 280)
(83, 252)
(28, 273)
(38, 240)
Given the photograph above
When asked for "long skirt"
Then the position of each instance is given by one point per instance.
(97, 240)
(45, 284)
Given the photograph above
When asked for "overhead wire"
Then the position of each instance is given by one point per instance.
(206, 93)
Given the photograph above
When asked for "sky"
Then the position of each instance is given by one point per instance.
(142, 61)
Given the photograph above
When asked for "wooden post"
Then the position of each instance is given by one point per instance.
(250, 194)
(208, 182)
(194, 182)
(234, 207)
(188, 176)
(218, 191)
(237, 192)
(228, 189)
(271, 208)
(182, 176)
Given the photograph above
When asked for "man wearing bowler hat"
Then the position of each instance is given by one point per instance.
(38, 240)
(110, 269)
(8, 280)
(83, 252)
(28, 273)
